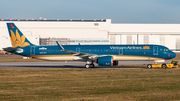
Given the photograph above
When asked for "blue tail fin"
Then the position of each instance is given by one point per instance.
(16, 36)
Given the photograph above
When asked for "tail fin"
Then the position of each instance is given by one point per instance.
(16, 36)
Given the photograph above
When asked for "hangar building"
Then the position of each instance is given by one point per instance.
(46, 32)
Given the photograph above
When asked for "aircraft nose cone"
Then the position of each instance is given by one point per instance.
(173, 55)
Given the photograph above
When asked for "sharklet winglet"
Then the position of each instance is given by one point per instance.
(60, 45)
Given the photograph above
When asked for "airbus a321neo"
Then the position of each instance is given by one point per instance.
(103, 55)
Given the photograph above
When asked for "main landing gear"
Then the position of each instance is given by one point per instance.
(89, 64)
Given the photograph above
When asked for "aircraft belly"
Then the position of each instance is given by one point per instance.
(133, 58)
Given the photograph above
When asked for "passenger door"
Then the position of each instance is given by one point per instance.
(155, 50)
(32, 51)
(78, 50)
(120, 51)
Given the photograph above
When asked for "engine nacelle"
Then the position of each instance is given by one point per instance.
(105, 61)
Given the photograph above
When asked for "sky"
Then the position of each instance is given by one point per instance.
(119, 11)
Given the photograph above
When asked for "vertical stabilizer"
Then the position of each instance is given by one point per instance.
(16, 36)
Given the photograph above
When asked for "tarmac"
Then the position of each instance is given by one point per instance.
(71, 64)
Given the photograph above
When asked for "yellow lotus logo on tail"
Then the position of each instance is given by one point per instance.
(18, 40)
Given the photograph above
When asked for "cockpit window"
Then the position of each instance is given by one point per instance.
(166, 50)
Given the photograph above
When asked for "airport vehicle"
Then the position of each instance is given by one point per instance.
(173, 64)
(103, 55)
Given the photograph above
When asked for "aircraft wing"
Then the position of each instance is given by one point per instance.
(83, 55)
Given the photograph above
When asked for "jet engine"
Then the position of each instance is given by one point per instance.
(105, 61)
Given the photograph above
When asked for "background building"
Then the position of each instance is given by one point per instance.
(161, 34)
(47, 32)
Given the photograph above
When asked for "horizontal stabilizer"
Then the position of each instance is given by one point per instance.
(9, 49)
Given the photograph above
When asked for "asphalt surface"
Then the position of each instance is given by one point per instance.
(47, 65)
(74, 64)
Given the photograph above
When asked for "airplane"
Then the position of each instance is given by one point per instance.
(103, 55)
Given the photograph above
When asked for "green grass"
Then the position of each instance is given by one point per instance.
(89, 84)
